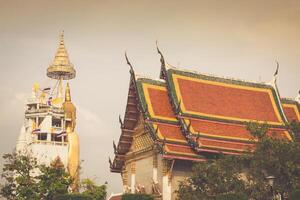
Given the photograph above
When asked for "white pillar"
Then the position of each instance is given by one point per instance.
(166, 183)
(154, 176)
(132, 177)
(166, 193)
(132, 185)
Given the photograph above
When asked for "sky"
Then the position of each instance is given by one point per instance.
(231, 38)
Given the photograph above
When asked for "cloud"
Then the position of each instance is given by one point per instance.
(90, 123)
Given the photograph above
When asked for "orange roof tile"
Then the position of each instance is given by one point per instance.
(155, 96)
(229, 131)
(291, 112)
(160, 102)
(183, 150)
(223, 146)
(169, 132)
(224, 100)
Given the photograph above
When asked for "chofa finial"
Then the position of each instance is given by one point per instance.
(128, 63)
(162, 59)
(277, 68)
(298, 97)
(273, 82)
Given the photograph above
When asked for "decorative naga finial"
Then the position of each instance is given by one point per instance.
(298, 97)
(156, 130)
(162, 74)
(198, 137)
(128, 63)
(115, 147)
(277, 68)
(162, 59)
(110, 162)
(189, 126)
(273, 82)
(121, 122)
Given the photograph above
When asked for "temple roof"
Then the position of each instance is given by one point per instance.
(291, 109)
(215, 98)
(190, 115)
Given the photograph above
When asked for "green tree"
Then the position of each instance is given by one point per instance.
(212, 179)
(19, 176)
(90, 189)
(295, 128)
(273, 157)
(248, 173)
(27, 180)
(137, 197)
(53, 180)
(237, 196)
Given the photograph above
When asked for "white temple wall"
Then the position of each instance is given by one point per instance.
(159, 171)
(45, 153)
(144, 173)
(46, 125)
(180, 172)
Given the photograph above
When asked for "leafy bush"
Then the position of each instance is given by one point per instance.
(137, 197)
(238, 196)
(295, 195)
(73, 197)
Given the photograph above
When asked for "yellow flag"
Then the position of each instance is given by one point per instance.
(36, 87)
(56, 100)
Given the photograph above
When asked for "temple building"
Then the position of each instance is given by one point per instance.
(48, 131)
(186, 117)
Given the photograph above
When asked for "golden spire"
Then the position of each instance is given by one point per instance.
(70, 111)
(61, 67)
(68, 93)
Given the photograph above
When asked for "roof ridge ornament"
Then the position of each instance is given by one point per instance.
(298, 97)
(121, 122)
(274, 85)
(162, 59)
(163, 68)
(110, 162)
(115, 147)
(274, 80)
(128, 63)
(277, 68)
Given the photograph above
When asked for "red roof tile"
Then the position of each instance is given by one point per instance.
(229, 130)
(225, 101)
(223, 146)
(291, 112)
(160, 102)
(157, 100)
(169, 132)
(183, 150)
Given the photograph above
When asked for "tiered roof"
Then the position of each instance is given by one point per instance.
(191, 115)
(291, 109)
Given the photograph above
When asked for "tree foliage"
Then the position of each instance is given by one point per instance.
(211, 179)
(137, 197)
(53, 180)
(20, 181)
(90, 189)
(25, 179)
(247, 174)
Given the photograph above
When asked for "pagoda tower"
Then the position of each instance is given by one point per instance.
(48, 130)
